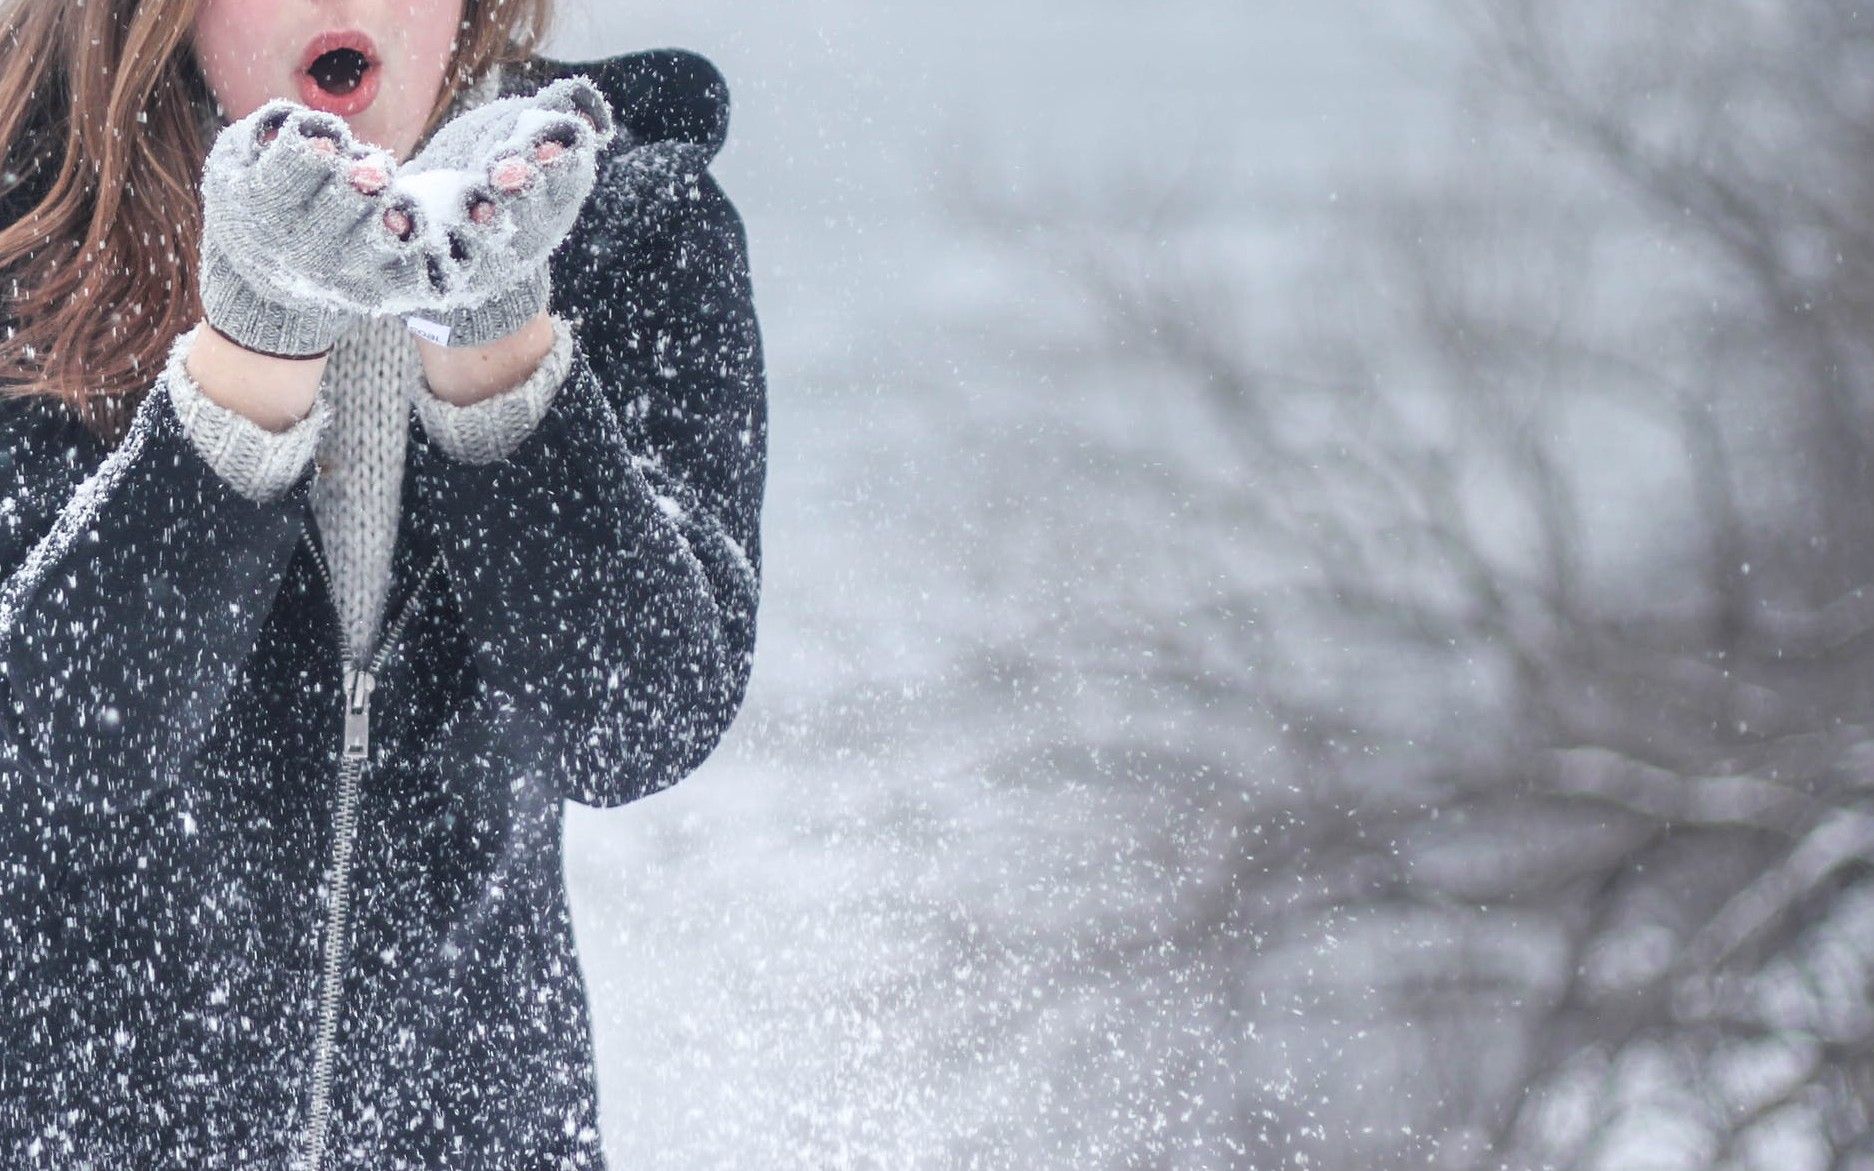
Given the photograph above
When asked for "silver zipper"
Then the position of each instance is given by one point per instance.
(359, 682)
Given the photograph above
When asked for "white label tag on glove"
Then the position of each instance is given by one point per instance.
(429, 331)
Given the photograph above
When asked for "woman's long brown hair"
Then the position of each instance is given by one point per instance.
(99, 111)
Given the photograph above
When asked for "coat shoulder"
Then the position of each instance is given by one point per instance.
(658, 95)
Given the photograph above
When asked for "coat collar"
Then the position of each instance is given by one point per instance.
(657, 95)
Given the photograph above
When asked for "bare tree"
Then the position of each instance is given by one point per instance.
(1542, 550)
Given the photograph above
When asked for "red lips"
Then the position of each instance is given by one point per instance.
(338, 73)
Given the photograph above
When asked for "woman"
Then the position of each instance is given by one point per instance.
(363, 501)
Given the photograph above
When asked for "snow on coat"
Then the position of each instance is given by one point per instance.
(579, 623)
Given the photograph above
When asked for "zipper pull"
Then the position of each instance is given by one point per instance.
(358, 688)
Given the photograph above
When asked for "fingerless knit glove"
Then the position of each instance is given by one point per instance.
(478, 211)
(294, 250)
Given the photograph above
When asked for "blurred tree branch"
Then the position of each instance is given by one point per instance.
(1644, 746)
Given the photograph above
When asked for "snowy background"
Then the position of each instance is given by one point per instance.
(1260, 659)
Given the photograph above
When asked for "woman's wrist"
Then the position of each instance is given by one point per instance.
(273, 392)
(462, 375)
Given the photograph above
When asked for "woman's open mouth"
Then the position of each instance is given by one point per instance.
(338, 73)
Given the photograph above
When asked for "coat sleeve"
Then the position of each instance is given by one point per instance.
(608, 567)
(135, 583)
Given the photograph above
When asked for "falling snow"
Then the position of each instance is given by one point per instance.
(1310, 591)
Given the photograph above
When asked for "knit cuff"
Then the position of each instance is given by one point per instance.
(259, 324)
(495, 319)
(260, 464)
(486, 431)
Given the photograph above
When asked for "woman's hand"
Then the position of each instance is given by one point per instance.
(294, 245)
(477, 212)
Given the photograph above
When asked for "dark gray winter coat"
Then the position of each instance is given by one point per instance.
(182, 822)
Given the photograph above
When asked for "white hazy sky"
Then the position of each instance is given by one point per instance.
(843, 109)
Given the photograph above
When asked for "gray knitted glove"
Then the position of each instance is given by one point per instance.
(294, 250)
(481, 207)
